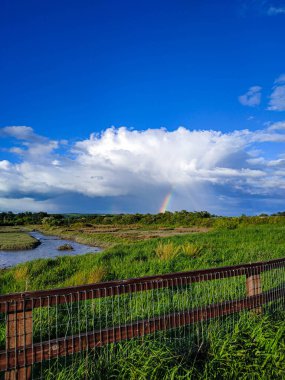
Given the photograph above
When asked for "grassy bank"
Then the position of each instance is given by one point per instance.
(12, 239)
(107, 236)
(147, 257)
(103, 238)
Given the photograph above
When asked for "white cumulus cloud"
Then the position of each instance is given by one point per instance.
(134, 170)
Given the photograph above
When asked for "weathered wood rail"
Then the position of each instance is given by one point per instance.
(22, 352)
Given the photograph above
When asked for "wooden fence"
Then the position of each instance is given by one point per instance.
(18, 312)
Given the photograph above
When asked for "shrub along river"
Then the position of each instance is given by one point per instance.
(46, 250)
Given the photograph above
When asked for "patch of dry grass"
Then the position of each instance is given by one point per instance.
(21, 274)
(166, 251)
(190, 249)
(84, 277)
(97, 275)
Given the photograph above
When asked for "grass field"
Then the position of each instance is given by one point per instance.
(12, 239)
(245, 347)
(126, 260)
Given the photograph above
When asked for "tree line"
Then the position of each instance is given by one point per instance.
(172, 219)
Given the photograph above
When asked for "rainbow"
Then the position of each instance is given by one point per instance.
(165, 202)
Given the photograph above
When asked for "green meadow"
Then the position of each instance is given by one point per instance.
(148, 257)
(245, 346)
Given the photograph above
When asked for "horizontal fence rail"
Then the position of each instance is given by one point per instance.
(40, 326)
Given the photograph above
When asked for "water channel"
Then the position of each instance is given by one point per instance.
(46, 250)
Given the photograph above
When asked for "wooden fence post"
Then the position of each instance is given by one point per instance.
(19, 334)
(254, 287)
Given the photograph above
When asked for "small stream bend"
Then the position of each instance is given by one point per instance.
(46, 250)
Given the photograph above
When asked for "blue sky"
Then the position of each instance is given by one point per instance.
(71, 70)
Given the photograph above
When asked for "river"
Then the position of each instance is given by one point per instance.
(46, 250)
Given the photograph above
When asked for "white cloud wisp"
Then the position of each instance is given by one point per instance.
(277, 97)
(252, 97)
(273, 11)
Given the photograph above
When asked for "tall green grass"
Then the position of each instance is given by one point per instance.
(240, 347)
(254, 348)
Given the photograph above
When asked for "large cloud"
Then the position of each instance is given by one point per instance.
(129, 170)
